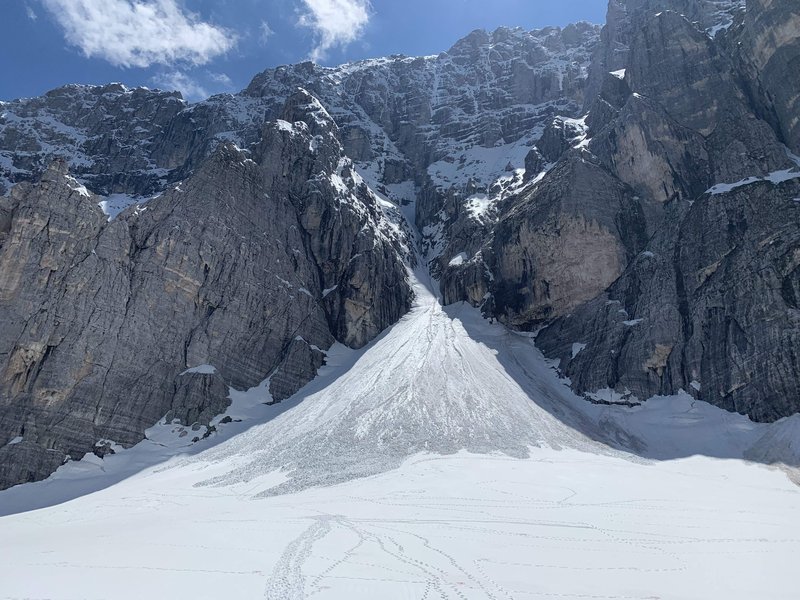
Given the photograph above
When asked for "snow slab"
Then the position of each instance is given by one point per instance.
(81, 189)
(479, 164)
(201, 370)
(610, 396)
(478, 205)
(114, 204)
(458, 260)
(775, 178)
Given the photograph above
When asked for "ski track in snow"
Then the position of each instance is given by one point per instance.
(445, 461)
(561, 524)
(287, 581)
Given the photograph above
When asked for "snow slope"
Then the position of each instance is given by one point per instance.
(442, 380)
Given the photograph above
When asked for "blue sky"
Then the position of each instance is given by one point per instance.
(201, 47)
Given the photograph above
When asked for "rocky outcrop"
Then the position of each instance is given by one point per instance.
(254, 266)
(105, 133)
(767, 47)
(563, 243)
(686, 277)
(710, 307)
(624, 16)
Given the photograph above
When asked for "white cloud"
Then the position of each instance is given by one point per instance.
(222, 79)
(190, 88)
(139, 33)
(265, 31)
(336, 22)
(31, 13)
(196, 86)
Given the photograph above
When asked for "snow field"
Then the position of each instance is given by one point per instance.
(561, 524)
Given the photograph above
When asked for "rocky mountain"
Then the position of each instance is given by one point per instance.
(244, 272)
(660, 251)
(119, 319)
(397, 115)
(630, 192)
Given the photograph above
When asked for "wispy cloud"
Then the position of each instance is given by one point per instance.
(190, 88)
(195, 86)
(335, 22)
(221, 79)
(265, 32)
(31, 13)
(139, 33)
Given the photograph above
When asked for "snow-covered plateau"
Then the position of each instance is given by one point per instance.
(445, 460)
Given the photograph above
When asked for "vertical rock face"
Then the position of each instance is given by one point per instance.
(703, 297)
(563, 242)
(710, 308)
(768, 47)
(105, 133)
(489, 89)
(657, 266)
(253, 265)
(710, 16)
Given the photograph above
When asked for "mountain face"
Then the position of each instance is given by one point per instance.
(629, 191)
(708, 303)
(247, 270)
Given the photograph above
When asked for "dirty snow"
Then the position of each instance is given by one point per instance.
(577, 348)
